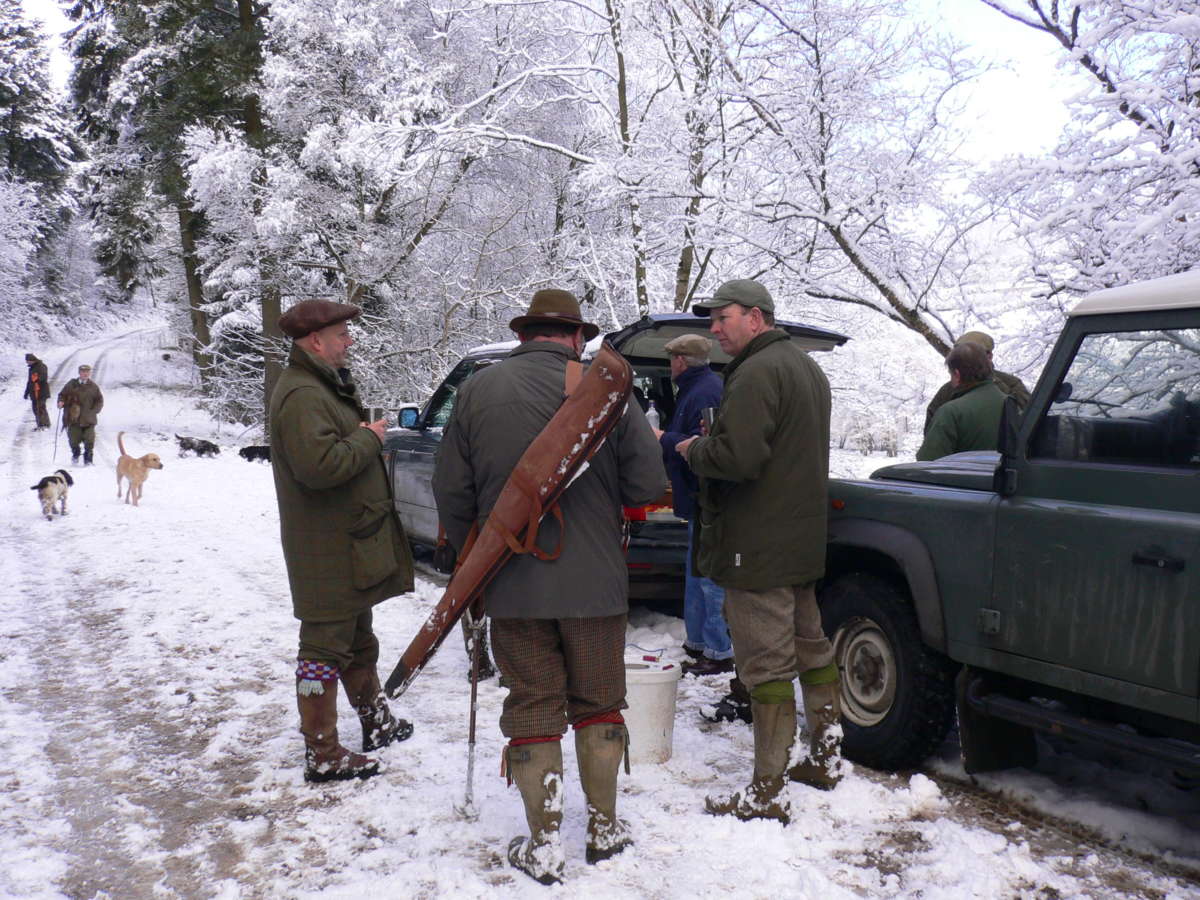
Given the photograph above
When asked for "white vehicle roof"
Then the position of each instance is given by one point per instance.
(1180, 291)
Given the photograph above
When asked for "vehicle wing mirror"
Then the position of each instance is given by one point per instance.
(1006, 442)
(408, 418)
(1063, 394)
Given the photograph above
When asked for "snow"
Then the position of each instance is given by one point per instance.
(149, 745)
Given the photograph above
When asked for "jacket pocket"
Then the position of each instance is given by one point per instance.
(372, 545)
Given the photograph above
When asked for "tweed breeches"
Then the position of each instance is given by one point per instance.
(559, 671)
(776, 633)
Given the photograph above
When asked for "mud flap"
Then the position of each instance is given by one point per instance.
(988, 743)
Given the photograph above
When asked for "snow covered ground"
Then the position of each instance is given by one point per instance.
(148, 743)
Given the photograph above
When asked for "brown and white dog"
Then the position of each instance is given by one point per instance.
(136, 470)
(53, 489)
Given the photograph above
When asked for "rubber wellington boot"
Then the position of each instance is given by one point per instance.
(599, 749)
(537, 770)
(379, 726)
(822, 766)
(765, 797)
(324, 758)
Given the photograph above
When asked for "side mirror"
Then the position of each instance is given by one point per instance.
(408, 418)
(1063, 394)
(1005, 482)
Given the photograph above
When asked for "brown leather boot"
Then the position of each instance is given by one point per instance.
(765, 797)
(324, 758)
(537, 770)
(599, 749)
(822, 767)
(379, 726)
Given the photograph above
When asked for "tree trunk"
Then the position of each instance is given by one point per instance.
(195, 289)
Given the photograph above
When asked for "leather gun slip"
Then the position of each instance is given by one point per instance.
(560, 452)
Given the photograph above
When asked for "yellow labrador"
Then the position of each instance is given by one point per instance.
(136, 470)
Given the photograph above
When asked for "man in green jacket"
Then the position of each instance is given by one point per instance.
(764, 474)
(1011, 385)
(81, 402)
(971, 419)
(558, 622)
(343, 544)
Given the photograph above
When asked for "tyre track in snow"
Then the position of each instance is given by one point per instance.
(146, 815)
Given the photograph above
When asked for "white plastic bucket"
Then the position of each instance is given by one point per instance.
(650, 688)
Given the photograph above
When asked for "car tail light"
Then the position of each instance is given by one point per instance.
(635, 513)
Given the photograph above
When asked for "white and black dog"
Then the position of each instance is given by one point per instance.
(53, 489)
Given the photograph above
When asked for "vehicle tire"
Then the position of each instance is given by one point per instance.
(897, 694)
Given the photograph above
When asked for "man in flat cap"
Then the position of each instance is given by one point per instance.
(342, 541)
(558, 625)
(763, 496)
(971, 419)
(37, 391)
(699, 387)
(81, 402)
(1009, 385)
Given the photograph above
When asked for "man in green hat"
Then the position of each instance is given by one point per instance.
(764, 473)
(1008, 384)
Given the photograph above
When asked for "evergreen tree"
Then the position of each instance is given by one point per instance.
(37, 145)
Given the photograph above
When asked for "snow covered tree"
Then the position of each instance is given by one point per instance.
(37, 143)
(1117, 201)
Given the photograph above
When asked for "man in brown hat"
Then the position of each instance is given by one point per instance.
(342, 541)
(1009, 385)
(81, 402)
(558, 626)
(37, 391)
(764, 472)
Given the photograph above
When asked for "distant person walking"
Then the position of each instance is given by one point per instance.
(1009, 384)
(37, 390)
(699, 387)
(970, 421)
(81, 402)
(343, 544)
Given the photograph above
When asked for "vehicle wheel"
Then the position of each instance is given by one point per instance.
(897, 694)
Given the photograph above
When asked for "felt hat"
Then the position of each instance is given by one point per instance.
(552, 306)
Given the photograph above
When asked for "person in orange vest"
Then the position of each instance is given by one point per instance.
(37, 390)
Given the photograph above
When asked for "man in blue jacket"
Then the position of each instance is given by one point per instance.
(699, 387)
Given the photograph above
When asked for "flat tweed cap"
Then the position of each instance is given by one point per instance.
(689, 345)
(552, 306)
(745, 291)
(308, 316)
(979, 339)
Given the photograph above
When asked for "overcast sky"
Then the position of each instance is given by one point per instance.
(1017, 111)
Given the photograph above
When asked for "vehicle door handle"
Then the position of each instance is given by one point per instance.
(1166, 563)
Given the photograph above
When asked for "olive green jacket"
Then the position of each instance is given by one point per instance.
(971, 421)
(82, 402)
(1011, 385)
(500, 410)
(764, 470)
(343, 544)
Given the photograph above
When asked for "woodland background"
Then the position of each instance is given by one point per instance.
(437, 162)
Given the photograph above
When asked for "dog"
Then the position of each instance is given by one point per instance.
(53, 489)
(199, 446)
(256, 452)
(135, 471)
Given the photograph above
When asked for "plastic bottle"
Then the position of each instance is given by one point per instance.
(652, 415)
